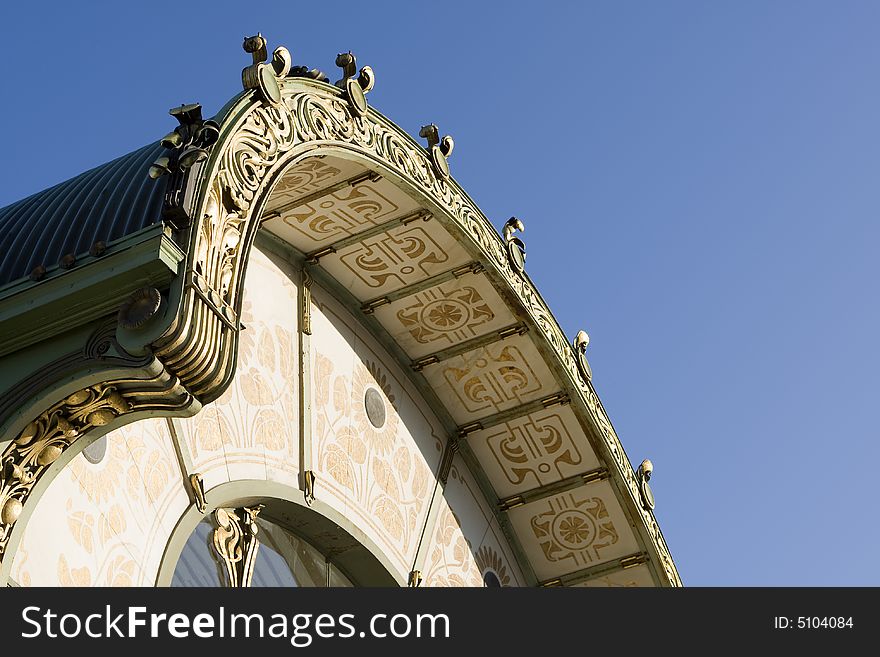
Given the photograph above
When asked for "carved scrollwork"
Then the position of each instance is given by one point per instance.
(197, 485)
(235, 544)
(45, 439)
(199, 348)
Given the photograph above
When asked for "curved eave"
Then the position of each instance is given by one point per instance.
(413, 253)
(364, 199)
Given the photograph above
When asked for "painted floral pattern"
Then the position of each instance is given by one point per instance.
(378, 469)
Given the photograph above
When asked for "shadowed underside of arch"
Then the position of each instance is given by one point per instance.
(305, 169)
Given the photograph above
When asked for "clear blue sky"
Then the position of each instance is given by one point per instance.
(699, 184)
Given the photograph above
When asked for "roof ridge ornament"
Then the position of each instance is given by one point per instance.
(263, 76)
(188, 144)
(643, 475)
(355, 88)
(516, 248)
(581, 340)
(440, 149)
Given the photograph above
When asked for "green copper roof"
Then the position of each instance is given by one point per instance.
(101, 205)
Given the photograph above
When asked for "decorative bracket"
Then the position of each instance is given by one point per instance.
(516, 248)
(355, 88)
(262, 76)
(305, 308)
(235, 543)
(581, 341)
(198, 489)
(643, 475)
(309, 480)
(446, 459)
(439, 149)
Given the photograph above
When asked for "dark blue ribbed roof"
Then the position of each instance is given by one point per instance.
(104, 204)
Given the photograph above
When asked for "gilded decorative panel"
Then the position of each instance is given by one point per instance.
(375, 445)
(445, 315)
(309, 177)
(343, 213)
(491, 379)
(570, 531)
(400, 256)
(533, 451)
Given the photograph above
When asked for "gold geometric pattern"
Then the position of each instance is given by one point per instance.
(396, 258)
(574, 530)
(307, 177)
(491, 383)
(452, 317)
(340, 214)
(532, 447)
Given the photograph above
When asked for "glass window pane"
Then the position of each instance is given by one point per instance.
(196, 566)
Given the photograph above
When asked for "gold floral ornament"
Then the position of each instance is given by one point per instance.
(372, 386)
(235, 543)
(573, 529)
(445, 314)
(42, 441)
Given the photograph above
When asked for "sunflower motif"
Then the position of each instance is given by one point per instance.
(575, 530)
(369, 376)
(445, 315)
(489, 560)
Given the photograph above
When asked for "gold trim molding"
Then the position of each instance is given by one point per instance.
(47, 438)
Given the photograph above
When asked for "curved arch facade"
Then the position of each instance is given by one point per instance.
(322, 253)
